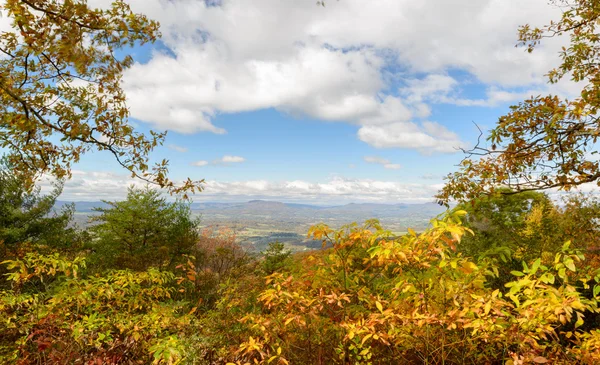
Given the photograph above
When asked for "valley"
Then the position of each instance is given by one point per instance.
(259, 222)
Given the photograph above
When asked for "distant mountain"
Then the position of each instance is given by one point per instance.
(267, 206)
(259, 222)
(265, 210)
(81, 207)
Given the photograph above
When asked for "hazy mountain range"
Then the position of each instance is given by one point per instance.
(272, 210)
(259, 222)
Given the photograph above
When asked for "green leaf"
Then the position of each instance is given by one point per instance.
(570, 265)
(535, 266)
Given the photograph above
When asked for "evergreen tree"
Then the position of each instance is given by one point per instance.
(28, 217)
(143, 231)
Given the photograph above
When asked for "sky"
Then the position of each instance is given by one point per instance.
(357, 101)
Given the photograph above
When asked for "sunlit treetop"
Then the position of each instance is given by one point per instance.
(60, 89)
(546, 141)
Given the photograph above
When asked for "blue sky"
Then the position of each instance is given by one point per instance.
(354, 102)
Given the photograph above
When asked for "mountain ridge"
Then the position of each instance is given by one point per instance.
(88, 206)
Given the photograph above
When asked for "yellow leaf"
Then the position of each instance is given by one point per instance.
(468, 267)
(365, 339)
(487, 308)
(379, 306)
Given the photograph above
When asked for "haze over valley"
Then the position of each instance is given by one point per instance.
(259, 222)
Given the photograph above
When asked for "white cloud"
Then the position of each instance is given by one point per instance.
(338, 63)
(5, 22)
(93, 186)
(232, 159)
(332, 63)
(177, 148)
(383, 162)
(375, 159)
(199, 163)
(429, 138)
(225, 160)
(337, 189)
(433, 87)
(444, 89)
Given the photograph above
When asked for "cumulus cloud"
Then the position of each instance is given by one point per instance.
(334, 64)
(340, 63)
(419, 94)
(337, 189)
(428, 138)
(93, 186)
(431, 88)
(199, 163)
(383, 162)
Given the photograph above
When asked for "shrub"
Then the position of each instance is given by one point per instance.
(56, 315)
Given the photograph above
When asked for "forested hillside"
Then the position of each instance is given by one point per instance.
(509, 275)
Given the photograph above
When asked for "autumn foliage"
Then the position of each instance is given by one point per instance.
(508, 276)
(61, 67)
(370, 298)
(376, 299)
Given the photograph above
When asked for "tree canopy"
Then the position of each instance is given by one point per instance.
(144, 231)
(60, 89)
(28, 217)
(547, 141)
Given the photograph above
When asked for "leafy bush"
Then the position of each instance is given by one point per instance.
(525, 226)
(56, 315)
(377, 299)
(216, 260)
